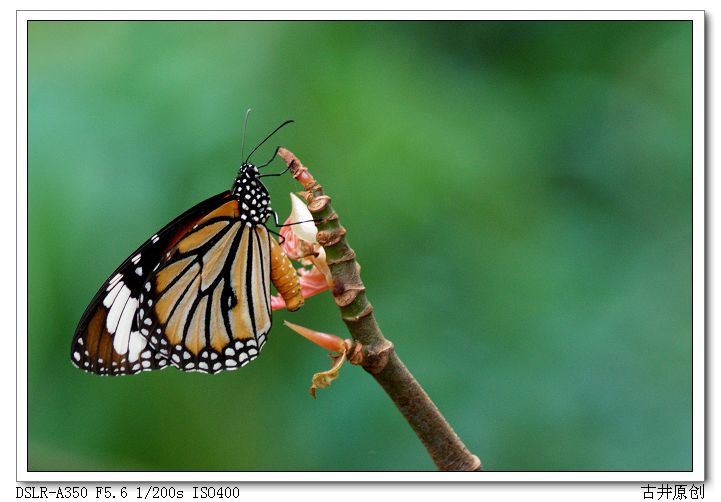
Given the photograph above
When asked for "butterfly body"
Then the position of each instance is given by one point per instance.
(252, 195)
(196, 295)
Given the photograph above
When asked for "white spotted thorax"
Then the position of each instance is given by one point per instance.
(252, 195)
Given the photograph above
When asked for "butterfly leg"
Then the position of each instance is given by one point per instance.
(281, 239)
(277, 222)
(275, 216)
(275, 174)
(271, 160)
(275, 154)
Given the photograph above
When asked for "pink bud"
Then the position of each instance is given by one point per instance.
(325, 340)
(277, 302)
(312, 281)
(289, 241)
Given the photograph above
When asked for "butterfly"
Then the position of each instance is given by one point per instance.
(196, 295)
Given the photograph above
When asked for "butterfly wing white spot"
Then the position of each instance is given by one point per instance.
(115, 279)
(112, 293)
(136, 345)
(122, 334)
(117, 308)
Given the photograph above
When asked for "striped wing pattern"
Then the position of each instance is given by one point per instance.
(207, 307)
(195, 296)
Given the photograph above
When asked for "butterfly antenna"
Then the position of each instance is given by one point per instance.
(267, 138)
(245, 128)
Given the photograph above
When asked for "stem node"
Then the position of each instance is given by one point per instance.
(368, 310)
(327, 238)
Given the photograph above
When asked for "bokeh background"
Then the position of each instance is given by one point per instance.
(518, 194)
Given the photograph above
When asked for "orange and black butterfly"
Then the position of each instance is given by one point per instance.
(196, 295)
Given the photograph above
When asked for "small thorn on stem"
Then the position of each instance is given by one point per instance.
(325, 340)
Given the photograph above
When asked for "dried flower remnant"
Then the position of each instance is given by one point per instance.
(299, 243)
(323, 379)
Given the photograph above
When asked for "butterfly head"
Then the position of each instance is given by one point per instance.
(247, 169)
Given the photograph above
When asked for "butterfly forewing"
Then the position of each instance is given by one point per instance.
(209, 301)
(195, 296)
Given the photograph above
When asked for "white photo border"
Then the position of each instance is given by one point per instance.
(699, 251)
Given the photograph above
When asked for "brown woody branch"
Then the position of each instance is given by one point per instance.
(371, 349)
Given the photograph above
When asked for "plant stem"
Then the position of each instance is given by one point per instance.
(371, 349)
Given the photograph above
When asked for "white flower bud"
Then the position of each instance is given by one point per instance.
(299, 212)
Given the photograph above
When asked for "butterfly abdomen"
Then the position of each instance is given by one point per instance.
(284, 277)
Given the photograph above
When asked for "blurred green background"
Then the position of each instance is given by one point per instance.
(518, 194)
